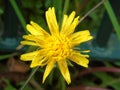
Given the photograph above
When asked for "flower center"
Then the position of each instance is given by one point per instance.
(60, 47)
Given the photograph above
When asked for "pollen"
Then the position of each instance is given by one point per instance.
(59, 47)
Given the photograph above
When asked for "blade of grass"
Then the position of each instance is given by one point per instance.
(112, 18)
(66, 5)
(19, 14)
(2, 57)
(5, 56)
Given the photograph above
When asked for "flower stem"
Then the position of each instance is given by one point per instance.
(31, 75)
(91, 10)
(66, 5)
(65, 9)
(63, 85)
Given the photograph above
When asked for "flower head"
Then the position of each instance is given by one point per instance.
(56, 46)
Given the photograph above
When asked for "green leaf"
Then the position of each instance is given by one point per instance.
(112, 18)
(94, 16)
(1, 11)
(9, 86)
(116, 85)
(88, 83)
(104, 77)
(28, 4)
(38, 4)
(48, 3)
(117, 63)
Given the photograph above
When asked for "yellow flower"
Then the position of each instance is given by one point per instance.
(56, 47)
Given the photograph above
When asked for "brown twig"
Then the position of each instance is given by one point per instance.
(91, 10)
(86, 88)
(98, 69)
(36, 85)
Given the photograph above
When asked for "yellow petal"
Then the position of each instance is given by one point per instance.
(80, 37)
(67, 22)
(85, 51)
(72, 27)
(79, 59)
(48, 69)
(33, 30)
(32, 37)
(80, 33)
(29, 43)
(29, 56)
(64, 22)
(37, 61)
(52, 22)
(39, 40)
(40, 29)
(64, 70)
(40, 59)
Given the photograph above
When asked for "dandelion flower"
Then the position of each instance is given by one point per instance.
(56, 47)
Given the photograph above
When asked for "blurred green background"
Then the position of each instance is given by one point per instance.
(104, 68)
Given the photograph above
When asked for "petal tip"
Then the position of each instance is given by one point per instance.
(31, 22)
(28, 26)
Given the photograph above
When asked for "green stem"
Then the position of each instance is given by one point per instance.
(66, 5)
(2, 57)
(31, 75)
(19, 14)
(112, 18)
(65, 9)
(63, 85)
